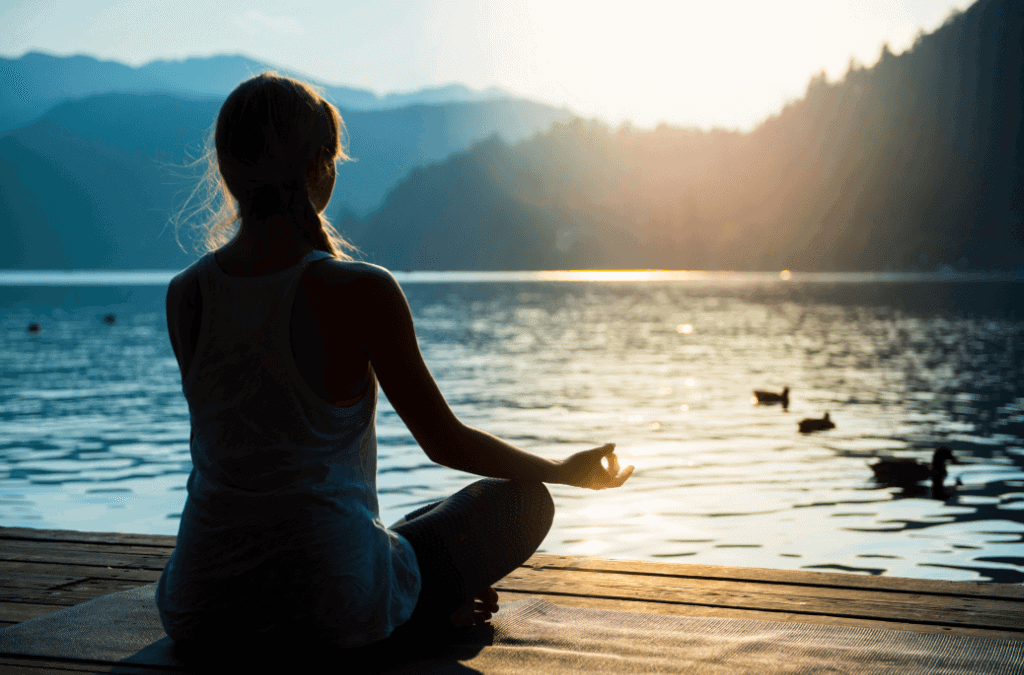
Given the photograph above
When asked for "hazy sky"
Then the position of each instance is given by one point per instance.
(726, 63)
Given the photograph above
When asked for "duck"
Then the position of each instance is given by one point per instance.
(812, 424)
(109, 319)
(34, 328)
(909, 471)
(768, 397)
(940, 492)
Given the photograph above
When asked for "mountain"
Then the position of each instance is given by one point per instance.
(915, 163)
(95, 181)
(35, 82)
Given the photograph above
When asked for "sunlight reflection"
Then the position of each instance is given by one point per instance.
(654, 426)
(622, 275)
(603, 511)
(690, 382)
(588, 547)
(684, 407)
(664, 391)
(684, 328)
(785, 275)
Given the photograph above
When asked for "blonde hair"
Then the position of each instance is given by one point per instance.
(268, 130)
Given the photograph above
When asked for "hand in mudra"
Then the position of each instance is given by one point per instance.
(585, 469)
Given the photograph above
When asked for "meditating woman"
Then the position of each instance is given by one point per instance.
(281, 339)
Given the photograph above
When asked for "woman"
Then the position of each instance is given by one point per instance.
(281, 339)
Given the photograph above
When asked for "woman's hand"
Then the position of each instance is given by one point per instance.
(584, 469)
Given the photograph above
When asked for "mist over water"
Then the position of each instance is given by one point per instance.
(94, 428)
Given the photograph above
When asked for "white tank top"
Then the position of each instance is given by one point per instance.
(281, 526)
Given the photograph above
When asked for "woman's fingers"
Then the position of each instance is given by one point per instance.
(587, 469)
(626, 473)
(603, 478)
(603, 451)
(617, 477)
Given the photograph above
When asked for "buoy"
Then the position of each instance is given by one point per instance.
(109, 319)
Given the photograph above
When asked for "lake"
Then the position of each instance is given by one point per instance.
(94, 428)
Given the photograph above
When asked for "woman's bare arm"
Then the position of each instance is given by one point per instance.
(389, 339)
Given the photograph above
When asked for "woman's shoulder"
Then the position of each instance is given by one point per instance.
(332, 272)
(186, 282)
(364, 288)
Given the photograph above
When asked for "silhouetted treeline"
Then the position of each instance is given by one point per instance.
(911, 164)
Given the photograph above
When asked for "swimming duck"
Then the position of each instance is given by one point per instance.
(110, 319)
(908, 471)
(811, 424)
(772, 397)
(34, 328)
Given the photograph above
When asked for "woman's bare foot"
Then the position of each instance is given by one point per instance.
(477, 610)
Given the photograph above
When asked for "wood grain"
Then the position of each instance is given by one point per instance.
(42, 571)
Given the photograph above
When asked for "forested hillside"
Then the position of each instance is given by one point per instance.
(911, 164)
(914, 163)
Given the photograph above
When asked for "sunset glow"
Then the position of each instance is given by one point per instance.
(683, 63)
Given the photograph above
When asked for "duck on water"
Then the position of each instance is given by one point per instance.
(769, 397)
(813, 424)
(905, 471)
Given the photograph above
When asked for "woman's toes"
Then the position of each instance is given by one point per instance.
(488, 599)
(477, 610)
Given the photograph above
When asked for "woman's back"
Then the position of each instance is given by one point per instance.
(283, 481)
(324, 343)
(281, 348)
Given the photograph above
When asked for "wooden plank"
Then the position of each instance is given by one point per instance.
(29, 666)
(770, 576)
(122, 544)
(15, 568)
(19, 667)
(43, 570)
(85, 547)
(851, 603)
(28, 533)
(505, 597)
(151, 559)
(10, 579)
(65, 596)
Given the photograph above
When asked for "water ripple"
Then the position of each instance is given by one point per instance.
(94, 429)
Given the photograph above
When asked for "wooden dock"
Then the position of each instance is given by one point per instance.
(43, 571)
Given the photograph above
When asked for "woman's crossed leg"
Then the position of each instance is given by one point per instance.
(468, 542)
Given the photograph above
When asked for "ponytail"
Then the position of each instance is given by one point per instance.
(267, 132)
(290, 199)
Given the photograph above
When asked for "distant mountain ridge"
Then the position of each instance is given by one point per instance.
(35, 82)
(914, 164)
(94, 182)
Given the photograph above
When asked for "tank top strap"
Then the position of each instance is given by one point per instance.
(288, 285)
(313, 256)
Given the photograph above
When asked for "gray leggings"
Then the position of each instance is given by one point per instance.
(469, 541)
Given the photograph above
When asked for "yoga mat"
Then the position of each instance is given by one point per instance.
(535, 636)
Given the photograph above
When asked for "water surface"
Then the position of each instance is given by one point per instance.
(94, 428)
